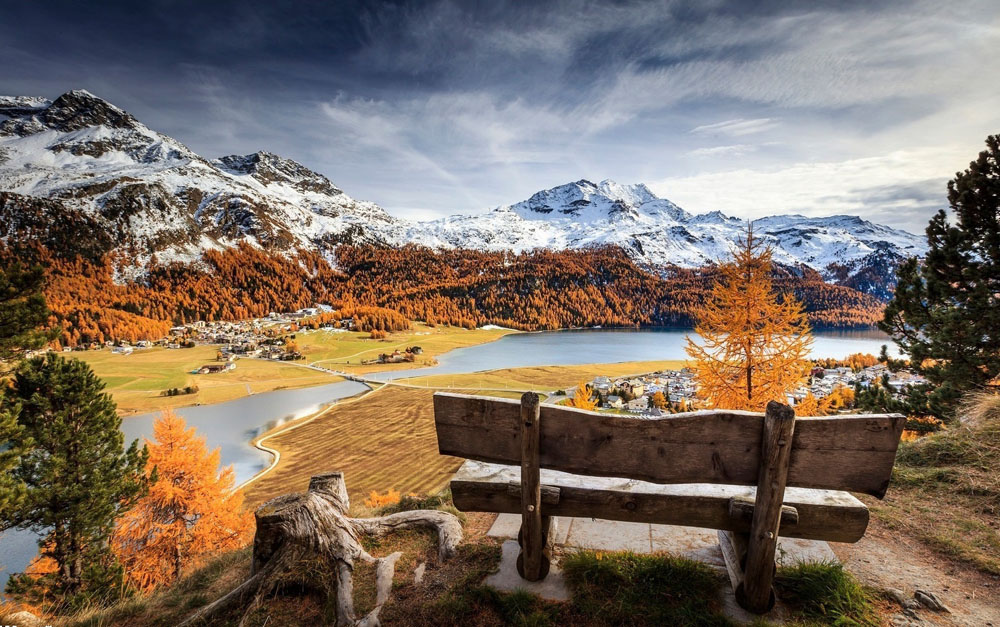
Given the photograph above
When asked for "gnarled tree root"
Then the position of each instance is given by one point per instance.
(313, 525)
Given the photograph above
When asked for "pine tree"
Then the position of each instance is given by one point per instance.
(12, 446)
(77, 474)
(190, 512)
(753, 345)
(581, 398)
(22, 311)
(946, 311)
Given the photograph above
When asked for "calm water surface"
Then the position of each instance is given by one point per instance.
(230, 426)
(590, 346)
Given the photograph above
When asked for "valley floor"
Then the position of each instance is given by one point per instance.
(136, 381)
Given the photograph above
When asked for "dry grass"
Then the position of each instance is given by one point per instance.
(946, 488)
(346, 351)
(543, 377)
(135, 381)
(384, 441)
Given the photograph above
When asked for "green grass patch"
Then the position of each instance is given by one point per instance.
(827, 594)
(627, 588)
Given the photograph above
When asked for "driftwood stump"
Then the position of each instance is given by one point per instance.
(314, 525)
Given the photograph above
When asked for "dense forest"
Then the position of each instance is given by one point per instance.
(92, 300)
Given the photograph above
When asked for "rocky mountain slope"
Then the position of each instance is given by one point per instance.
(154, 197)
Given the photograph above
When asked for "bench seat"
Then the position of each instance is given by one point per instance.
(830, 515)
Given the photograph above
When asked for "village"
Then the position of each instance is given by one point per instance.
(264, 338)
(669, 391)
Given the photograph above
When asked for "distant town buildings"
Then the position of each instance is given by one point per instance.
(678, 387)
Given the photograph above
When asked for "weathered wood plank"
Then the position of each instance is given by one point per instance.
(853, 453)
(776, 452)
(742, 508)
(822, 514)
(734, 551)
(530, 563)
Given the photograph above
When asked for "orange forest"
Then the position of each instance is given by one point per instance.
(529, 291)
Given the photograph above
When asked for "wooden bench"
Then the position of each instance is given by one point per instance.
(724, 470)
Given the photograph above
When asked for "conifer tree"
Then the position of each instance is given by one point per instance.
(753, 344)
(78, 476)
(946, 311)
(190, 512)
(12, 446)
(658, 400)
(581, 398)
(22, 311)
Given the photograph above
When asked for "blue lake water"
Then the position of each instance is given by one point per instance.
(589, 346)
(230, 426)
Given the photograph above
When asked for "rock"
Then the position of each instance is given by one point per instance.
(23, 619)
(898, 596)
(418, 573)
(930, 600)
(905, 620)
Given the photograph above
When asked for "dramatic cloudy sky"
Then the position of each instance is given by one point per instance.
(432, 108)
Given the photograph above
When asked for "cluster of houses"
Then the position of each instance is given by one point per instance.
(246, 338)
(634, 394)
(396, 357)
(823, 381)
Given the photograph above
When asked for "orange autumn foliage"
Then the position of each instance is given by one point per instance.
(376, 500)
(582, 398)
(190, 512)
(753, 345)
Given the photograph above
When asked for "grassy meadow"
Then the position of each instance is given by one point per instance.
(346, 351)
(542, 378)
(135, 381)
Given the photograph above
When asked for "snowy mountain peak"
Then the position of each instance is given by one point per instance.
(585, 201)
(636, 194)
(269, 168)
(79, 109)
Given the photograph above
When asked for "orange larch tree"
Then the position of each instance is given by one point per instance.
(581, 398)
(753, 344)
(190, 512)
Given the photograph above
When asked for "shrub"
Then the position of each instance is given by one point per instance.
(827, 593)
(376, 500)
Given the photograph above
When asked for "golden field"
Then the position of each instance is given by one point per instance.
(135, 381)
(542, 378)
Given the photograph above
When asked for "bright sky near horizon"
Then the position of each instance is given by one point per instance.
(433, 108)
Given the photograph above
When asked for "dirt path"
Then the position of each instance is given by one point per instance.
(886, 560)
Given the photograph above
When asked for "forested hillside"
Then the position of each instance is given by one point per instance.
(543, 289)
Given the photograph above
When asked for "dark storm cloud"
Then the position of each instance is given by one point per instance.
(435, 107)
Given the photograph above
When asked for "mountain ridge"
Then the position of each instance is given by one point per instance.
(161, 200)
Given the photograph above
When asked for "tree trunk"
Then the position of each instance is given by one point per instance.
(314, 525)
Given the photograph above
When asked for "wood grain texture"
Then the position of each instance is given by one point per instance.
(743, 508)
(734, 551)
(529, 565)
(776, 451)
(822, 514)
(854, 453)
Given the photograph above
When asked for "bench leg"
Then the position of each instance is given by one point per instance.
(757, 594)
(532, 563)
(544, 552)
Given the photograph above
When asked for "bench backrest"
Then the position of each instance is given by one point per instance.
(851, 452)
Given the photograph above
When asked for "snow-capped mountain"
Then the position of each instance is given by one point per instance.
(657, 233)
(154, 196)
